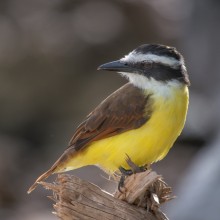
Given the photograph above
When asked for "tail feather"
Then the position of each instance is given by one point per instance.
(41, 178)
(57, 167)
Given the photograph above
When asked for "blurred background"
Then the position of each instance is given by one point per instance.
(49, 53)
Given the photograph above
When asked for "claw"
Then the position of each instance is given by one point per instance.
(135, 168)
(124, 173)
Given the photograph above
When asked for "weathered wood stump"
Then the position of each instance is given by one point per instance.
(142, 195)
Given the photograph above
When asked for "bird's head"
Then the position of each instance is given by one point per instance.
(151, 63)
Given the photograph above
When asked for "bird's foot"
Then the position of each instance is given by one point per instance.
(124, 173)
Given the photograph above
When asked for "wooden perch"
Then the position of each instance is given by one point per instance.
(141, 198)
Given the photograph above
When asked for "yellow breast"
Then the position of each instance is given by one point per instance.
(145, 145)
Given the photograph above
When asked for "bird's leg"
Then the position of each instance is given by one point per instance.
(134, 169)
(124, 173)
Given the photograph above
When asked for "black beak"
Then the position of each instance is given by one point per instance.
(115, 66)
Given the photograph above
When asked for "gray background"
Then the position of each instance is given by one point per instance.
(49, 53)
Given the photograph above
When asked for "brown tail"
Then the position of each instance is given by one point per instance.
(41, 178)
(56, 167)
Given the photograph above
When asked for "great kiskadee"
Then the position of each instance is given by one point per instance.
(142, 119)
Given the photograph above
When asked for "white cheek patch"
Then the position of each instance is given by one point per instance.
(138, 57)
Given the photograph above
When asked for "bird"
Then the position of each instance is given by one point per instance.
(141, 120)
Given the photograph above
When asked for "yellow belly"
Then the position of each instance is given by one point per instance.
(145, 145)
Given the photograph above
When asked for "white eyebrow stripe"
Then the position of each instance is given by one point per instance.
(138, 57)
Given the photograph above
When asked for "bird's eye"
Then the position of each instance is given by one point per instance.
(146, 64)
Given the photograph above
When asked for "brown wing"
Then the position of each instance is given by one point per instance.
(125, 109)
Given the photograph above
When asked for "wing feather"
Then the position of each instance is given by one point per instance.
(125, 109)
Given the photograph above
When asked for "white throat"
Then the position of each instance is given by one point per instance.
(150, 84)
